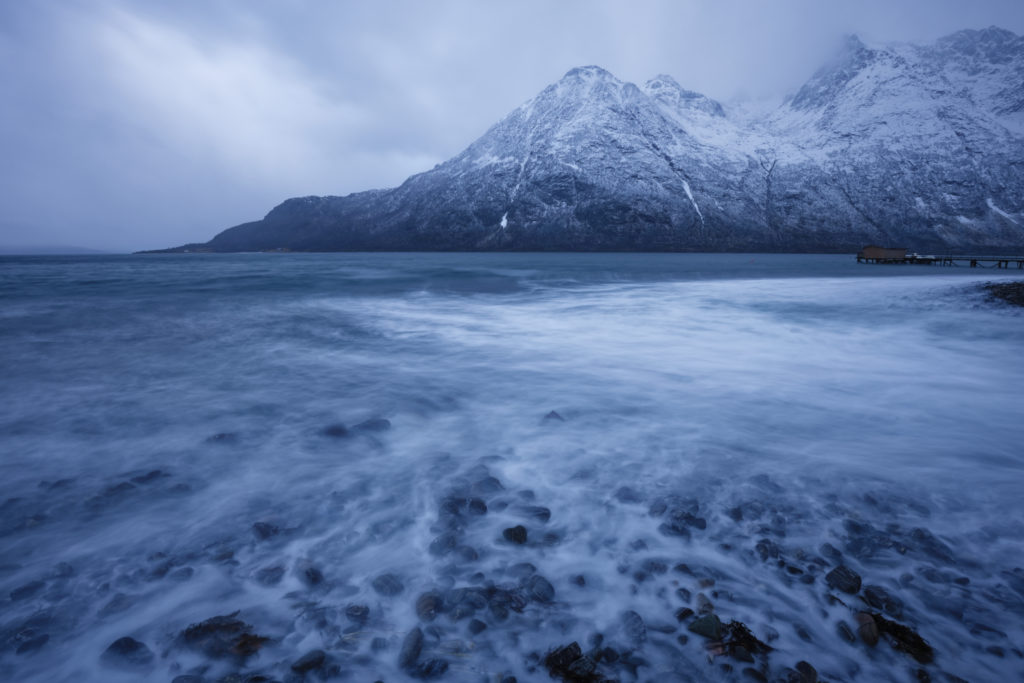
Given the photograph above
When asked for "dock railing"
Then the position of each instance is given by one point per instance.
(968, 260)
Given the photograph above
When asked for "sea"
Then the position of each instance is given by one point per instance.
(487, 467)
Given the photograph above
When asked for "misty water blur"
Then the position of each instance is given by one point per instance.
(154, 409)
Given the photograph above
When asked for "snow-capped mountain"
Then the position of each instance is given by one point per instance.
(917, 146)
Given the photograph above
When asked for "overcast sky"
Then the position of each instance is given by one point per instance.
(141, 124)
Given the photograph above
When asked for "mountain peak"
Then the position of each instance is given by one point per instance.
(993, 44)
(667, 91)
(588, 73)
(853, 43)
(852, 57)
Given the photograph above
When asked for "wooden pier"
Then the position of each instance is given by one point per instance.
(873, 254)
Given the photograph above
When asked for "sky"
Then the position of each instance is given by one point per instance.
(141, 124)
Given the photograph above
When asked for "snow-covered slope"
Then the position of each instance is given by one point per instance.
(919, 146)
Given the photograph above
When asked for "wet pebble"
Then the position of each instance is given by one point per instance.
(634, 628)
(867, 628)
(881, 599)
(926, 542)
(357, 614)
(432, 668)
(626, 494)
(269, 576)
(336, 430)
(309, 574)
(708, 626)
(844, 579)
(515, 534)
(428, 605)
(264, 530)
(312, 660)
(808, 674)
(223, 636)
(654, 566)
(904, 639)
(128, 652)
(487, 485)
(831, 553)
(27, 590)
(540, 589)
(570, 664)
(412, 645)
(388, 585)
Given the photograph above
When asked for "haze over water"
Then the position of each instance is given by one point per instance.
(190, 436)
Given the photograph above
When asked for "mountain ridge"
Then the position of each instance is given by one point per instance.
(910, 144)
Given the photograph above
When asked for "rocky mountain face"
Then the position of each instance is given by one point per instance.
(916, 146)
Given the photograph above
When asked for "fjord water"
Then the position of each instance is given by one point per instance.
(185, 437)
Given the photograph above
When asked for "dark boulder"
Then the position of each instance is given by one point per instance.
(312, 660)
(540, 589)
(223, 636)
(905, 639)
(881, 599)
(432, 668)
(336, 431)
(516, 534)
(128, 652)
(570, 664)
(411, 648)
(429, 605)
(708, 626)
(844, 579)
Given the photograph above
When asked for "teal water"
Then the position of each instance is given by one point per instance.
(155, 408)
